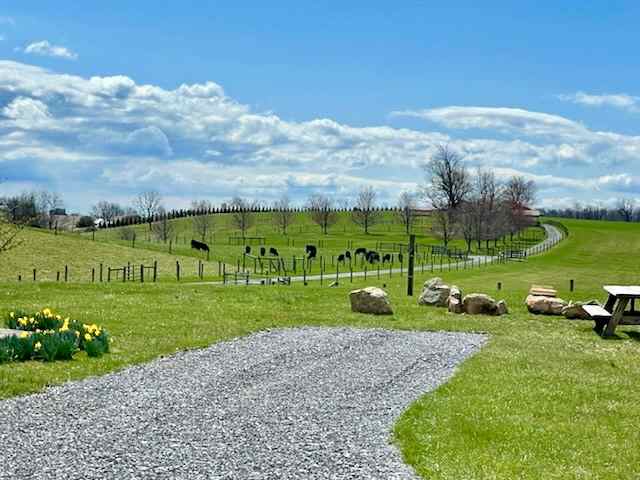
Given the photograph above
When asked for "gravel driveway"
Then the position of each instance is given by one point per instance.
(308, 403)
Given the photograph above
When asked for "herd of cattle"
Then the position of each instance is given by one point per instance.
(371, 256)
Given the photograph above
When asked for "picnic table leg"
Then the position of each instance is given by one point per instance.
(611, 301)
(616, 317)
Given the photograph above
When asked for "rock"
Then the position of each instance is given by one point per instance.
(455, 292)
(455, 305)
(545, 305)
(479, 303)
(501, 308)
(435, 293)
(574, 311)
(370, 300)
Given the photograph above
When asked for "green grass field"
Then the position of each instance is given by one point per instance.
(546, 398)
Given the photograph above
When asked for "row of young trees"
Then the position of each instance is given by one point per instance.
(625, 209)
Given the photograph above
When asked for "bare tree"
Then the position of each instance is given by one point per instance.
(518, 195)
(148, 205)
(243, 213)
(448, 185)
(9, 234)
(108, 211)
(282, 215)
(322, 211)
(364, 212)
(48, 203)
(626, 207)
(202, 222)
(163, 229)
(406, 210)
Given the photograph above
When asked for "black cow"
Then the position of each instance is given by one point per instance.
(341, 258)
(347, 254)
(360, 251)
(372, 256)
(311, 250)
(247, 249)
(273, 252)
(262, 251)
(386, 258)
(199, 245)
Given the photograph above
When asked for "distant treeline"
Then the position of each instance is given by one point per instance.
(624, 210)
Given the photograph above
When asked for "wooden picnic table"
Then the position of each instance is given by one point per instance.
(619, 297)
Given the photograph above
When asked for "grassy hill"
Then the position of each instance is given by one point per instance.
(49, 253)
(344, 235)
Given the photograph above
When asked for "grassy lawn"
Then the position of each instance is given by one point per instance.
(546, 398)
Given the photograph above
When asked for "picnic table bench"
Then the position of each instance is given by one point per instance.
(615, 312)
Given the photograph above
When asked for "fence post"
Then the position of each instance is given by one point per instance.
(412, 250)
(58, 276)
(571, 285)
(141, 273)
(108, 274)
(101, 273)
(155, 270)
(34, 274)
(178, 270)
(124, 274)
(93, 274)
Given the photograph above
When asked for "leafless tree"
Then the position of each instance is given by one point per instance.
(406, 210)
(163, 229)
(364, 212)
(518, 194)
(202, 222)
(47, 203)
(148, 205)
(106, 210)
(322, 211)
(282, 214)
(9, 234)
(448, 185)
(626, 207)
(243, 213)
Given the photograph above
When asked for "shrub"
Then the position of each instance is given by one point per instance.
(85, 222)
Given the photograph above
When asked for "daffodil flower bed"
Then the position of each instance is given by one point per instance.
(49, 336)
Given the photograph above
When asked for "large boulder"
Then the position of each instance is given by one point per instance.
(545, 305)
(370, 300)
(574, 311)
(479, 303)
(455, 300)
(501, 308)
(435, 293)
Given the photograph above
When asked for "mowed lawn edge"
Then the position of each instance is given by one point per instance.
(530, 404)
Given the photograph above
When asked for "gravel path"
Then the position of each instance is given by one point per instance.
(309, 403)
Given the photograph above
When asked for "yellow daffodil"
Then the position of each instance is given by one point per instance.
(46, 312)
(37, 346)
(24, 335)
(87, 337)
(12, 314)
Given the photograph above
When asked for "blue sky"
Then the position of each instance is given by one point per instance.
(213, 99)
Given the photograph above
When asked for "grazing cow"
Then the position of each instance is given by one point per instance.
(199, 245)
(312, 251)
(247, 249)
(386, 258)
(262, 251)
(360, 251)
(273, 252)
(347, 254)
(341, 258)
(372, 256)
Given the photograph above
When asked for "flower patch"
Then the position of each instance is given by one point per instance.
(49, 336)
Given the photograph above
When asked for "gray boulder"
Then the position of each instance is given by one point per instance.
(435, 293)
(372, 300)
(455, 300)
(539, 304)
(479, 304)
(501, 308)
(574, 311)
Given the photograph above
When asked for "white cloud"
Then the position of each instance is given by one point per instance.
(2, 38)
(46, 49)
(196, 141)
(616, 100)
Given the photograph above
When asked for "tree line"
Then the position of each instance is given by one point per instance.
(624, 209)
